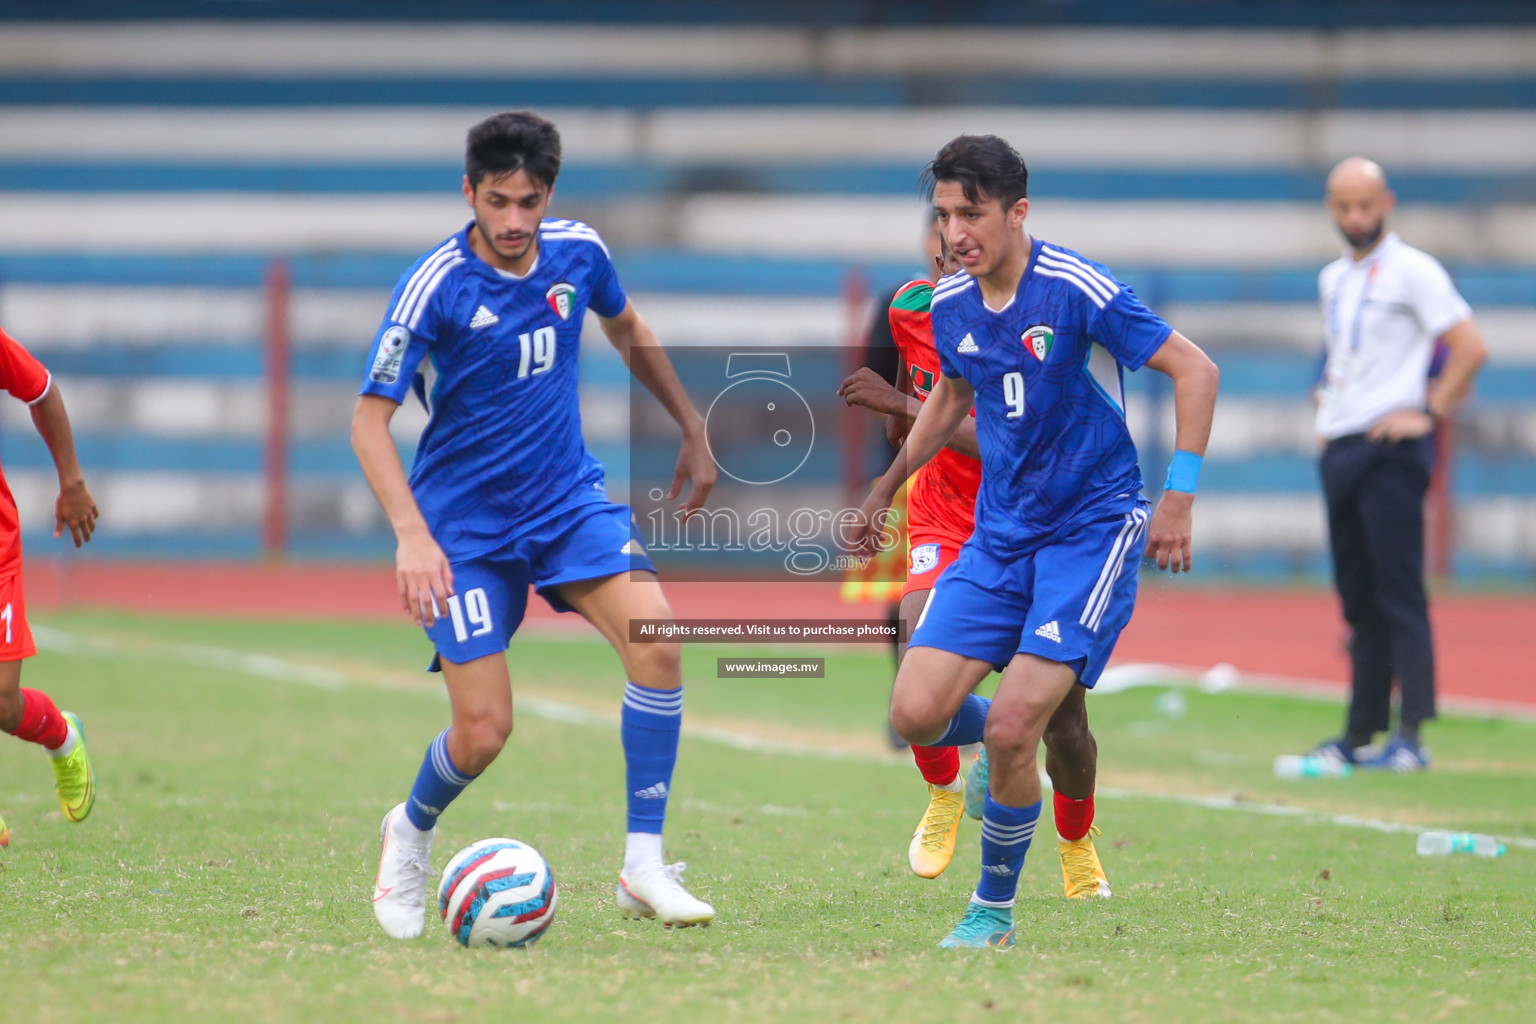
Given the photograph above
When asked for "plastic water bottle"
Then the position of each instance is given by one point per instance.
(1171, 704)
(1433, 844)
(1305, 766)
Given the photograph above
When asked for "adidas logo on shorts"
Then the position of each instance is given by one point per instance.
(1050, 631)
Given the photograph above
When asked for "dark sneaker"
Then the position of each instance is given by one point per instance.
(1398, 755)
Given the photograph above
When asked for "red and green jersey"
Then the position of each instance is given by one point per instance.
(942, 496)
(25, 378)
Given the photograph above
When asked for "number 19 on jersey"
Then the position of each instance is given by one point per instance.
(538, 352)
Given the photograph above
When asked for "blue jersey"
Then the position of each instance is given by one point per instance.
(503, 449)
(1050, 402)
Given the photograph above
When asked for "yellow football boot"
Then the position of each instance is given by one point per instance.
(1081, 872)
(72, 776)
(933, 844)
(5, 834)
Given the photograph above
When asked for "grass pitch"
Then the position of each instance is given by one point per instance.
(243, 768)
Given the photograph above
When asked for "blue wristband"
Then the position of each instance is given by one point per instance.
(1183, 472)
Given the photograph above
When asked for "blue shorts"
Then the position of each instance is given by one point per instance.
(491, 592)
(1066, 602)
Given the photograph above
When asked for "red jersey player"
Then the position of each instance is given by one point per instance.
(941, 502)
(29, 714)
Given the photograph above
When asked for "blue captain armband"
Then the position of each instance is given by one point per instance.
(1183, 472)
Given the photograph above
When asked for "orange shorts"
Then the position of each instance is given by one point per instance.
(929, 553)
(15, 635)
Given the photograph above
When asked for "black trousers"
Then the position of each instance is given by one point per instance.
(1375, 494)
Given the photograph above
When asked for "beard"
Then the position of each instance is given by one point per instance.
(1365, 238)
(496, 245)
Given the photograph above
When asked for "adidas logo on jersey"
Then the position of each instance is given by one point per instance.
(1050, 631)
(656, 792)
(483, 318)
(968, 345)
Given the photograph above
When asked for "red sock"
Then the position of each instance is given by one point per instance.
(41, 721)
(940, 765)
(1073, 817)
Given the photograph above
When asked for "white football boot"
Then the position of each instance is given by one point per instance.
(657, 891)
(405, 864)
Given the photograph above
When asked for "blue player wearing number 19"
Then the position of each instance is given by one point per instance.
(1036, 337)
(504, 494)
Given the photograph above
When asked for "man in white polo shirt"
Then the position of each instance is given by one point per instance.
(1385, 304)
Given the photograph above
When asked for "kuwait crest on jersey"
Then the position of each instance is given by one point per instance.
(559, 298)
(1038, 340)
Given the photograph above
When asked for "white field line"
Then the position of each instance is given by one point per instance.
(558, 711)
(262, 665)
(1129, 675)
(268, 667)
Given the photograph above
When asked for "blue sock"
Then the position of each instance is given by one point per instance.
(1005, 835)
(649, 724)
(968, 725)
(437, 784)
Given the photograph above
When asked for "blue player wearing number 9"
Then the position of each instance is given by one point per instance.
(504, 494)
(1037, 338)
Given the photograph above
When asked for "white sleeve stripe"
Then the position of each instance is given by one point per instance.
(47, 387)
(412, 314)
(422, 274)
(1066, 257)
(1104, 293)
(551, 235)
(573, 228)
(1086, 267)
(426, 293)
(416, 278)
(1065, 276)
(940, 294)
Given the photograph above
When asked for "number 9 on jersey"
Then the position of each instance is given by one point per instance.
(1013, 394)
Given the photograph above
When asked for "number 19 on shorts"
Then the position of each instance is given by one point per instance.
(474, 612)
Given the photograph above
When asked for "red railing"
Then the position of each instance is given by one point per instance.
(274, 523)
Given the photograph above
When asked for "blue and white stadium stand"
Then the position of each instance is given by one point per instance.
(150, 169)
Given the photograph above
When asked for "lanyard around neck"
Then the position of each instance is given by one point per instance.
(1355, 321)
(1365, 294)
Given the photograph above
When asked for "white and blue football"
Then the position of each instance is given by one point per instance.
(497, 892)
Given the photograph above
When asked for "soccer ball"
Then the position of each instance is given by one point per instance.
(497, 892)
